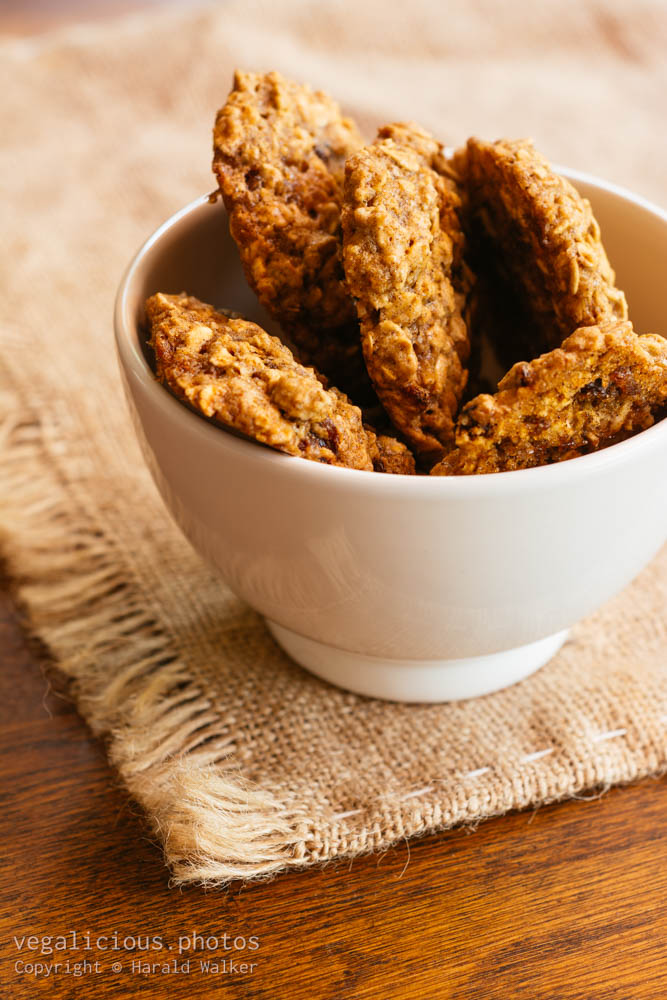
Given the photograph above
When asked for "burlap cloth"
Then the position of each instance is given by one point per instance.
(243, 762)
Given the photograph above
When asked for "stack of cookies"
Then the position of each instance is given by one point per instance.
(387, 265)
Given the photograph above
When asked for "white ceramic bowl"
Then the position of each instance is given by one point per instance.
(408, 588)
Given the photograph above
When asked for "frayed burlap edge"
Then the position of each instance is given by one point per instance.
(161, 730)
(130, 688)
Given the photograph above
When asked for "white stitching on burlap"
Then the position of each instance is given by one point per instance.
(612, 734)
(419, 791)
(528, 758)
(537, 755)
(477, 773)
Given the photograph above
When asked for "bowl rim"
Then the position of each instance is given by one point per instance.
(132, 359)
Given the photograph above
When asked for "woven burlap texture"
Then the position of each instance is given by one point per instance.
(243, 763)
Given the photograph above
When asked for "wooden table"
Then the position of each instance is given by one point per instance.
(566, 902)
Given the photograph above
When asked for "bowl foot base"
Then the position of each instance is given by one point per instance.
(417, 680)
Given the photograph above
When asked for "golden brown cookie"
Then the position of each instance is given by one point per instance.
(390, 455)
(402, 249)
(232, 370)
(603, 384)
(279, 155)
(542, 238)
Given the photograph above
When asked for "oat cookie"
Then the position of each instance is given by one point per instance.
(542, 237)
(602, 385)
(390, 455)
(402, 249)
(232, 370)
(279, 155)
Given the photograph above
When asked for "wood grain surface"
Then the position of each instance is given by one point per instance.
(567, 902)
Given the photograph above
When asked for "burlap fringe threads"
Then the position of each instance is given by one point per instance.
(163, 735)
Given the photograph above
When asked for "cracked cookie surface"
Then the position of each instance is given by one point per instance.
(602, 385)
(279, 155)
(402, 250)
(543, 239)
